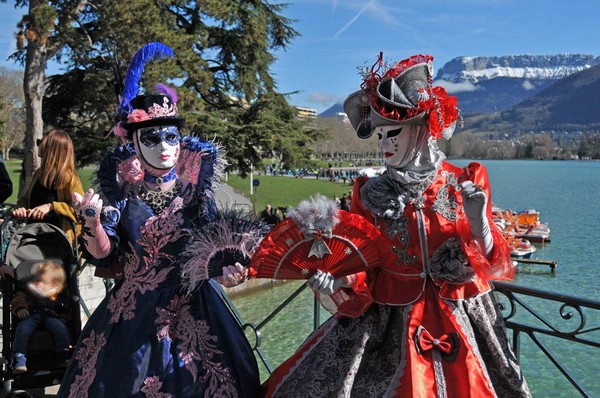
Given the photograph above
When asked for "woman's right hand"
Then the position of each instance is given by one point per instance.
(20, 212)
(89, 206)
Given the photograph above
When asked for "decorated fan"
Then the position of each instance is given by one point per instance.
(232, 236)
(317, 236)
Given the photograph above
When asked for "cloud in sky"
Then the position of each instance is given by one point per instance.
(527, 85)
(323, 99)
(456, 87)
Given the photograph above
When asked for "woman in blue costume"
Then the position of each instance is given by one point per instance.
(163, 330)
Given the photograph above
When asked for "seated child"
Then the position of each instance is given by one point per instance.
(35, 304)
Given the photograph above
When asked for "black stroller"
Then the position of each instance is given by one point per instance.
(28, 246)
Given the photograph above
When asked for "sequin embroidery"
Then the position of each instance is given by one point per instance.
(86, 358)
(157, 232)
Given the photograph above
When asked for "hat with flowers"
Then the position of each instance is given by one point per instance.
(400, 95)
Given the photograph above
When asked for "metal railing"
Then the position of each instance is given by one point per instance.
(526, 311)
(539, 314)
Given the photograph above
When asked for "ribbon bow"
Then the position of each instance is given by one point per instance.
(447, 343)
(319, 248)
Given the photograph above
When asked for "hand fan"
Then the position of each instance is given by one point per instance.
(232, 236)
(317, 236)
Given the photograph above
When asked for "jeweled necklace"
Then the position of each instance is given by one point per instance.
(158, 200)
(152, 179)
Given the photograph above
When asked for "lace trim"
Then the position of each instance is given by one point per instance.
(158, 200)
(445, 203)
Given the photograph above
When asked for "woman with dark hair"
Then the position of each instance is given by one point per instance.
(52, 186)
(6, 186)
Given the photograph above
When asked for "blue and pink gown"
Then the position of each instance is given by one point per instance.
(151, 336)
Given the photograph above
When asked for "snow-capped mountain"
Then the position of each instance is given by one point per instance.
(493, 84)
(477, 69)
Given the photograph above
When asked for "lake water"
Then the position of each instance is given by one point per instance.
(567, 195)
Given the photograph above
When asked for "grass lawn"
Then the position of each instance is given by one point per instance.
(286, 191)
(277, 191)
(14, 170)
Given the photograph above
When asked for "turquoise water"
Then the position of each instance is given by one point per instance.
(567, 194)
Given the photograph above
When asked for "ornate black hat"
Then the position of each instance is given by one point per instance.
(156, 109)
(150, 109)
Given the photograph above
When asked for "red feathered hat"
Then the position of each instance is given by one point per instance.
(401, 95)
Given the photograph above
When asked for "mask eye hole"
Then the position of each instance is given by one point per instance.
(393, 133)
(154, 139)
(379, 135)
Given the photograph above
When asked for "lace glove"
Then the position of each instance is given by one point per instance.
(233, 275)
(88, 209)
(325, 283)
(475, 205)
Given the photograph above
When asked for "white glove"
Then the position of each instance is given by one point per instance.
(475, 207)
(324, 283)
(233, 275)
(88, 207)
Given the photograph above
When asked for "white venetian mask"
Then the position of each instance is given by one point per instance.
(397, 143)
(158, 146)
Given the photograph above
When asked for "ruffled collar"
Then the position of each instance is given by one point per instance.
(386, 196)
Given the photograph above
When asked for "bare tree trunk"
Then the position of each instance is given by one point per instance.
(33, 87)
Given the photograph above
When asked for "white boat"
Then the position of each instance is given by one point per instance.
(522, 248)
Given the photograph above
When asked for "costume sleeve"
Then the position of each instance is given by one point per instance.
(109, 266)
(117, 170)
(18, 302)
(6, 186)
(348, 302)
(499, 266)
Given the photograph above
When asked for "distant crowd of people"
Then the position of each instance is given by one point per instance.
(274, 215)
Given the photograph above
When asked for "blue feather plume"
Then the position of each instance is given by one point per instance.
(149, 52)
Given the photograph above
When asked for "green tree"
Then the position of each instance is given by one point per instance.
(42, 35)
(223, 51)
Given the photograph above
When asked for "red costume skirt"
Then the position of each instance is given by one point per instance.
(431, 348)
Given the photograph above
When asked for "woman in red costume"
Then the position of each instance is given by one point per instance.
(425, 325)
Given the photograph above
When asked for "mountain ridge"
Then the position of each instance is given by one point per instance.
(499, 88)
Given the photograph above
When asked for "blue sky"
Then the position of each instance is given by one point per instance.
(338, 36)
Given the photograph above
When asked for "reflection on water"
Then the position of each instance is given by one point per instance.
(288, 329)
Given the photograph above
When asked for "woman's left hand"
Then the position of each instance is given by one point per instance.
(233, 275)
(38, 213)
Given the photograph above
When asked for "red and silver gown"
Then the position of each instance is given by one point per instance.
(432, 329)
